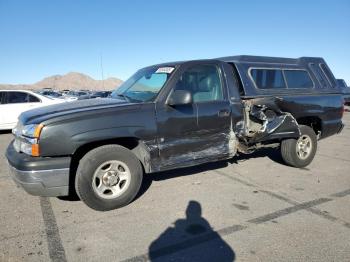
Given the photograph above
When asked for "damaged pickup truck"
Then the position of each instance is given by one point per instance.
(175, 115)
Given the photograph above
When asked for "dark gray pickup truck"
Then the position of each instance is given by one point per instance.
(175, 115)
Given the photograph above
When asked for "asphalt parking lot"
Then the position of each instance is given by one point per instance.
(252, 208)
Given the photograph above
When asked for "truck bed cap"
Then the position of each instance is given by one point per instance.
(269, 59)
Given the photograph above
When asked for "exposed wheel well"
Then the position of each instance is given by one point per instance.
(312, 121)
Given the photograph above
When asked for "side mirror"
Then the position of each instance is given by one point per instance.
(180, 97)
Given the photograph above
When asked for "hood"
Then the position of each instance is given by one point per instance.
(41, 114)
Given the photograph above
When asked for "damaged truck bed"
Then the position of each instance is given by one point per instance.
(175, 115)
(263, 121)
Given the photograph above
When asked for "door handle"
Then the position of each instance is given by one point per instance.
(223, 113)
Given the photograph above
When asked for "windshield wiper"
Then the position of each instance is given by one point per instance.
(128, 98)
(124, 96)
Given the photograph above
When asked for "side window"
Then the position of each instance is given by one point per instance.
(341, 83)
(17, 97)
(319, 75)
(268, 78)
(203, 81)
(2, 96)
(33, 99)
(236, 77)
(328, 74)
(298, 79)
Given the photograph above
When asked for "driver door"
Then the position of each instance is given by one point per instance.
(199, 131)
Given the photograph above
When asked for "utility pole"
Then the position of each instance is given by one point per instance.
(103, 87)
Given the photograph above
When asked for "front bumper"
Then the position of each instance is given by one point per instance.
(39, 176)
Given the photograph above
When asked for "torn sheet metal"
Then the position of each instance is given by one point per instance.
(264, 120)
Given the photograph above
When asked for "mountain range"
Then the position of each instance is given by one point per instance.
(71, 81)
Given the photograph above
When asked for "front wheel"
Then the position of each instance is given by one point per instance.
(300, 152)
(108, 177)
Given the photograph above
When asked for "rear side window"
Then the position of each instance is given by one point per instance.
(2, 94)
(268, 78)
(236, 78)
(298, 79)
(319, 75)
(328, 74)
(341, 83)
(33, 99)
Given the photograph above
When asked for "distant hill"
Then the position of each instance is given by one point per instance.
(71, 81)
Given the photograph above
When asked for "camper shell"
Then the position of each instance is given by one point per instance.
(322, 78)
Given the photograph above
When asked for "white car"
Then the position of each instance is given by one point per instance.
(14, 102)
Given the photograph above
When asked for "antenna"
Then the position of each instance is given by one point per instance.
(102, 71)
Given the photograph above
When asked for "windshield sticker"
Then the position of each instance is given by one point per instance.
(166, 70)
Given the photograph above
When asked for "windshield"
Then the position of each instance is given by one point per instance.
(144, 85)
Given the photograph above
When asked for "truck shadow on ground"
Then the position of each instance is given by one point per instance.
(190, 239)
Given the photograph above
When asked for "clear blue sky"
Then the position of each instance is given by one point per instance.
(42, 38)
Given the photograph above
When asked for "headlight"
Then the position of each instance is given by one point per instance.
(29, 147)
(32, 131)
(27, 138)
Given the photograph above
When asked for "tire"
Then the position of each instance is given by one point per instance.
(289, 148)
(108, 177)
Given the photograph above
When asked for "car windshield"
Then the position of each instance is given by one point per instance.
(144, 85)
(46, 96)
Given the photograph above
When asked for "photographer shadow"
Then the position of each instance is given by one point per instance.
(190, 239)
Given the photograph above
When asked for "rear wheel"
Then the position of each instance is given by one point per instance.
(108, 177)
(300, 152)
